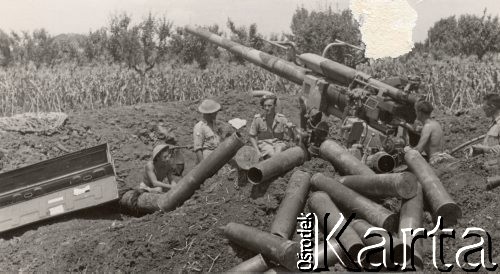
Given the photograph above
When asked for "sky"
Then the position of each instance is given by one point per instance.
(80, 16)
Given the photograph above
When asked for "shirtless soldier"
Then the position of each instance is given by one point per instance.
(159, 171)
(431, 137)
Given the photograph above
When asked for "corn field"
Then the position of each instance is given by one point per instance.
(452, 84)
(72, 88)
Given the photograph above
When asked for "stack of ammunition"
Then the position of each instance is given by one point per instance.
(358, 190)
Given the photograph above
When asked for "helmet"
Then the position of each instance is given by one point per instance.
(159, 149)
(267, 96)
(209, 106)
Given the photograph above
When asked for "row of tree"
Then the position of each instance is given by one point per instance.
(153, 40)
(466, 35)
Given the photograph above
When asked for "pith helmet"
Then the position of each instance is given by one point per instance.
(158, 149)
(209, 106)
(267, 96)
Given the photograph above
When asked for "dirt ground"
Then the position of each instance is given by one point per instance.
(187, 239)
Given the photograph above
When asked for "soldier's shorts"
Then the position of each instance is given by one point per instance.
(269, 147)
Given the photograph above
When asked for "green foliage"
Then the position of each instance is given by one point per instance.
(249, 37)
(96, 44)
(478, 35)
(5, 49)
(68, 87)
(313, 31)
(453, 83)
(469, 35)
(140, 46)
(442, 37)
(189, 48)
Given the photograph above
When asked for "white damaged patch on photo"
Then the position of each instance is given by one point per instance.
(386, 26)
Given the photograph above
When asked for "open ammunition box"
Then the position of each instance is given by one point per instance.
(57, 186)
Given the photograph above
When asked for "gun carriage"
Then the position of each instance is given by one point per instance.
(374, 113)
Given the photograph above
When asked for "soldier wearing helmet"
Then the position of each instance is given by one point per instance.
(269, 130)
(207, 133)
(159, 169)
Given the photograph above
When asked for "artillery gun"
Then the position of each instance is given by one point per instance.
(373, 112)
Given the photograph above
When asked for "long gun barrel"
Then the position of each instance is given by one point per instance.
(372, 110)
(271, 63)
(332, 70)
(345, 75)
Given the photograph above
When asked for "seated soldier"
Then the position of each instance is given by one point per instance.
(491, 142)
(166, 136)
(431, 137)
(269, 130)
(159, 169)
(208, 133)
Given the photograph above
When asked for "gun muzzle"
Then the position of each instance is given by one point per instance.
(256, 264)
(321, 204)
(270, 246)
(277, 269)
(400, 185)
(440, 201)
(381, 162)
(343, 161)
(394, 255)
(492, 182)
(350, 201)
(411, 216)
(285, 221)
(276, 165)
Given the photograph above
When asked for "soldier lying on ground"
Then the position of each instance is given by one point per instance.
(431, 137)
(208, 133)
(491, 142)
(269, 131)
(162, 167)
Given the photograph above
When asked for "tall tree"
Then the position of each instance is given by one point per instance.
(189, 48)
(442, 37)
(246, 36)
(96, 44)
(140, 46)
(313, 31)
(469, 35)
(5, 49)
(479, 35)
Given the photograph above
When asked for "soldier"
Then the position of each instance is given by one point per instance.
(159, 169)
(208, 133)
(166, 136)
(491, 108)
(268, 131)
(431, 137)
